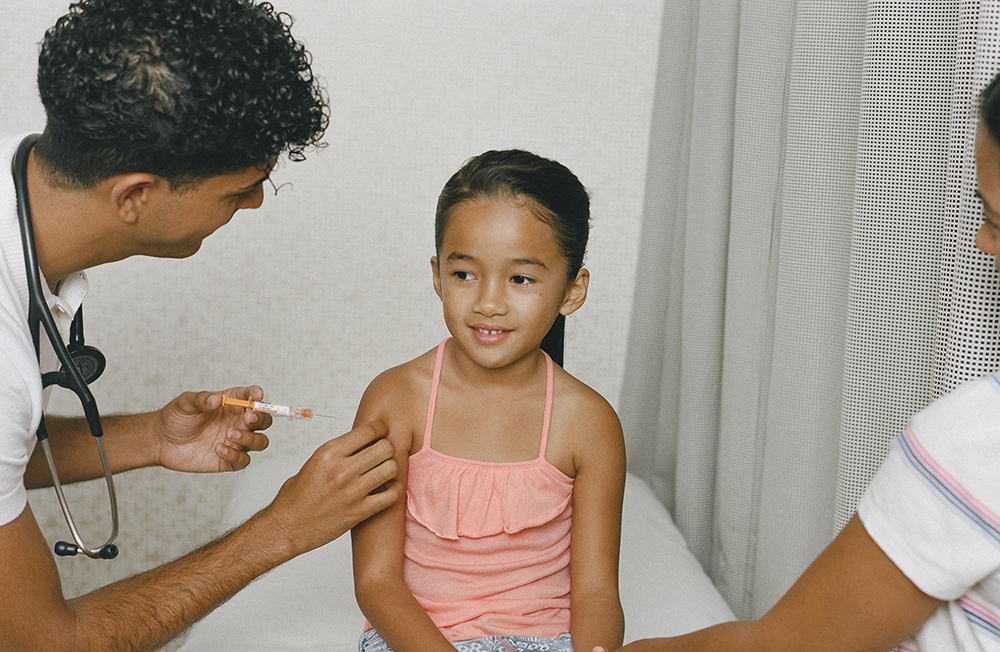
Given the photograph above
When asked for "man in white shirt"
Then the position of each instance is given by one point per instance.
(163, 118)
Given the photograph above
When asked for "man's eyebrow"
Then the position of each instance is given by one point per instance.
(255, 183)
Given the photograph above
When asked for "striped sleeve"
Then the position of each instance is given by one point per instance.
(933, 505)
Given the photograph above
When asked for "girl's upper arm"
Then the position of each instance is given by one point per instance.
(599, 487)
(377, 543)
(598, 490)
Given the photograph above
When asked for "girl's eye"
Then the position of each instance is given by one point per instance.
(463, 276)
(518, 279)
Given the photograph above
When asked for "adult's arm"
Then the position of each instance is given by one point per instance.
(852, 597)
(331, 493)
(194, 432)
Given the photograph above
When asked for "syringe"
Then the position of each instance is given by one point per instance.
(271, 408)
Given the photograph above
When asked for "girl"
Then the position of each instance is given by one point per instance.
(507, 535)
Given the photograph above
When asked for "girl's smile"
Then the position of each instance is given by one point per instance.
(489, 335)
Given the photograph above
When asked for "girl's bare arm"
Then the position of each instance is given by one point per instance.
(377, 543)
(599, 455)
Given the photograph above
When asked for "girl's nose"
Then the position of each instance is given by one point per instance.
(491, 299)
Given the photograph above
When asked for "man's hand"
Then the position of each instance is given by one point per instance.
(196, 433)
(344, 482)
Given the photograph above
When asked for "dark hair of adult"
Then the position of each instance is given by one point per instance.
(554, 194)
(989, 107)
(182, 89)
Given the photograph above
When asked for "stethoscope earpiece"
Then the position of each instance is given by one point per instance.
(66, 549)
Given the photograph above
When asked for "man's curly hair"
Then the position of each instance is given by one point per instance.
(184, 89)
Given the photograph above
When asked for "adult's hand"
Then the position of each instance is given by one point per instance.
(197, 433)
(344, 482)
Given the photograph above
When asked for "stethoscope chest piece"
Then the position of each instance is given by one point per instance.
(90, 362)
(87, 359)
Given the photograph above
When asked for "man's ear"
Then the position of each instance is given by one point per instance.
(437, 275)
(131, 192)
(576, 293)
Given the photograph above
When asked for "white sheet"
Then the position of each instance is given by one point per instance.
(308, 603)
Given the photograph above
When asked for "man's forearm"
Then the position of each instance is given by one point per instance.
(127, 443)
(145, 611)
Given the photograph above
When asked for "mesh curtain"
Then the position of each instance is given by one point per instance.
(807, 275)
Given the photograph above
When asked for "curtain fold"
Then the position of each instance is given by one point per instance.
(807, 278)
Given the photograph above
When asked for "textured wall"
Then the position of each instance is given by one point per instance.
(329, 283)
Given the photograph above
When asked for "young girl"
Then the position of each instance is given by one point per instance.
(507, 535)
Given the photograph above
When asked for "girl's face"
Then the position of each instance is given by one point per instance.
(502, 280)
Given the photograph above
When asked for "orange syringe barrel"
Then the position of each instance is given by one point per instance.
(270, 408)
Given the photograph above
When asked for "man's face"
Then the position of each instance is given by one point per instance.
(182, 219)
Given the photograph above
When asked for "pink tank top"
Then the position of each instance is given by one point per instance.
(487, 543)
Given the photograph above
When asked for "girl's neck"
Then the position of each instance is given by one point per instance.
(518, 373)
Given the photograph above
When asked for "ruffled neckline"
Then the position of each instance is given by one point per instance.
(468, 498)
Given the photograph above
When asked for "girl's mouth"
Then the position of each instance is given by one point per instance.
(489, 335)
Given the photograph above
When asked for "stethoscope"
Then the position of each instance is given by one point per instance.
(80, 364)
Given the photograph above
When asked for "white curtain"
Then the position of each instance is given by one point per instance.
(807, 277)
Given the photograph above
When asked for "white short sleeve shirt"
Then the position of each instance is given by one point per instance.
(934, 509)
(22, 400)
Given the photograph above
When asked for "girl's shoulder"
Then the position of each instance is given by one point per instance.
(574, 397)
(584, 425)
(399, 382)
(399, 394)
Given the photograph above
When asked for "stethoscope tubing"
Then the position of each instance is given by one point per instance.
(68, 377)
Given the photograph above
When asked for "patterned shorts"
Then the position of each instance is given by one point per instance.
(372, 642)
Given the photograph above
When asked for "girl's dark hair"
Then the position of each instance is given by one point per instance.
(555, 195)
(182, 89)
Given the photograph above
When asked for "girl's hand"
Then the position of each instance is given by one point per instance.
(197, 434)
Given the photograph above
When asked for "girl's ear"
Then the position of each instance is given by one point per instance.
(437, 276)
(576, 293)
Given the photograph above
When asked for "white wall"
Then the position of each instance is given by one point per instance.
(329, 283)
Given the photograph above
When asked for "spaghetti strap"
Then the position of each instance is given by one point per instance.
(435, 381)
(547, 418)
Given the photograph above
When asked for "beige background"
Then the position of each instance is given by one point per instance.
(329, 283)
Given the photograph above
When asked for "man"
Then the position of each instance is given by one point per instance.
(163, 118)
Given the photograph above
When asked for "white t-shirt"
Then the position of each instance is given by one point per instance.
(934, 509)
(21, 398)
